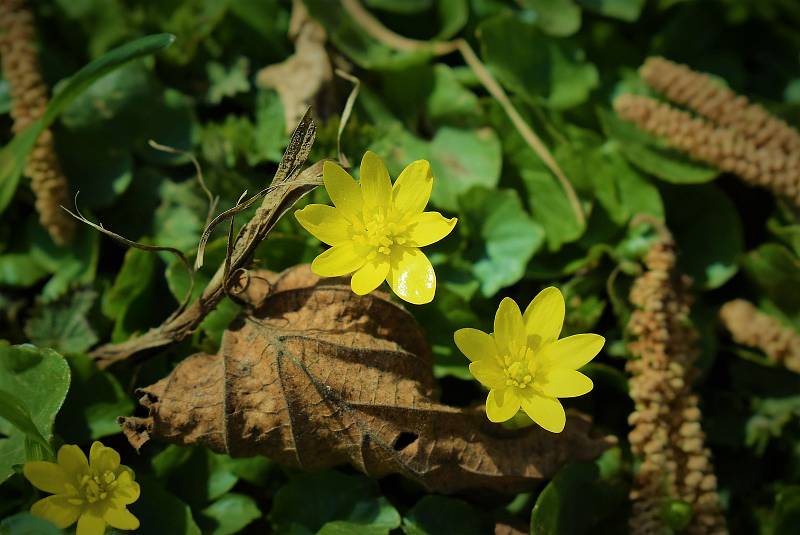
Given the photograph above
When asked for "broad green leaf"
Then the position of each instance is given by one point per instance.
(461, 159)
(709, 241)
(550, 207)
(14, 155)
(23, 371)
(20, 269)
(27, 524)
(556, 509)
(769, 419)
(93, 403)
(504, 238)
(63, 324)
(229, 514)
(398, 147)
(439, 515)
(129, 301)
(400, 6)
(227, 82)
(556, 17)
(14, 411)
(544, 70)
(776, 272)
(653, 155)
(332, 503)
(159, 511)
(448, 99)
(194, 474)
(787, 510)
(626, 10)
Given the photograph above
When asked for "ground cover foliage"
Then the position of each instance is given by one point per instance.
(555, 182)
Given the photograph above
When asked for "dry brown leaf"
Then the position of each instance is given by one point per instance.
(316, 376)
(300, 77)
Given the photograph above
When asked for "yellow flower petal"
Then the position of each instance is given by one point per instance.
(90, 524)
(326, 223)
(544, 317)
(574, 351)
(488, 372)
(48, 477)
(127, 490)
(429, 227)
(343, 190)
(502, 405)
(476, 345)
(545, 411)
(339, 260)
(509, 330)
(412, 189)
(72, 460)
(376, 186)
(120, 518)
(370, 275)
(411, 275)
(566, 383)
(103, 459)
(56, 509)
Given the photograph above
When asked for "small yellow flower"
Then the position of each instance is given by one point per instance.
(376, 229)
(525, 365)
(93, 492)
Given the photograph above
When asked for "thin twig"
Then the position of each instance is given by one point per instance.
(348, 109)
(378, 31)
(212, 199)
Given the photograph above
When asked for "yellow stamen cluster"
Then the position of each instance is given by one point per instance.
(666, 432)
(732, 135)
(20, 64)
(753, 328)
(381, 233)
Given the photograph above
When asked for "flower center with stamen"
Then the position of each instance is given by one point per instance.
(381, 234)
(518, 370)
(95, 487)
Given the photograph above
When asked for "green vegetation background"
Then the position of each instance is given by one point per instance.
(563, 61)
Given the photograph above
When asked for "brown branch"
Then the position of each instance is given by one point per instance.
(288, 185)
(378, 31)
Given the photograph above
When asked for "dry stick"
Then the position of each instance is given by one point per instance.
(288, 185)
(378, 31)
(348, 109)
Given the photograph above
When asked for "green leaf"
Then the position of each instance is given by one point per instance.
(557, 507)
(504, 238)
(227, 82)
(14, 411)
(550, 207)
(159, 511)
(195, 474)
(129, 301)
(556, 17)
(654, 155)
(228, 515)
(63, 325)
(93, 403)
(400, 6)
(448, 99)
(787, 510)
(776, 272)
(461, 159)
(20, 269)
(332, 503)
(544, 70)
(23, 371)
(27, 524)
(439, 515)
(710, 262)
(627, 10)
(14, 155)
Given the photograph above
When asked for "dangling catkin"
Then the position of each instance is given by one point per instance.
(711, 99)
(751, 327)
(721, 147)
(20, 65)
(666, 432)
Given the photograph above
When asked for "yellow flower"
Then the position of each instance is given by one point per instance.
(93, 492)
(525, 365)
(376, 229)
